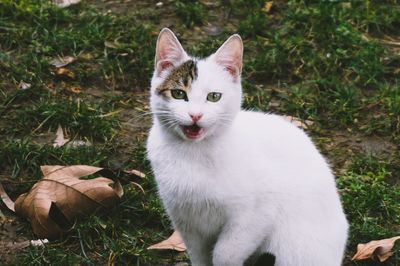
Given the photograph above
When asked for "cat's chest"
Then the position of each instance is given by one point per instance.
(189, 187)
(183, 181)
(187, 171)
(206, 216)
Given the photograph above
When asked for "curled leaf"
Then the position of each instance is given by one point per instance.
(6, 199)
(136, 173)
(61, 195)
(297, 122)
(381, 249)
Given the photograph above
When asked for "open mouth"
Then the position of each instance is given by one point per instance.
(193, 131)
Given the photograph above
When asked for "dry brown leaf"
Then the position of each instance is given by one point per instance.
(267, 6)
(56, 200)
(136, 173)
(381, 249)
(174, 242)
(296, 121)
(6, 199)
(65, 73)
(60, 140)
(62, 61)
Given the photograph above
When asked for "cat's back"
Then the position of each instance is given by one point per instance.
(270, 130)
(278, 146)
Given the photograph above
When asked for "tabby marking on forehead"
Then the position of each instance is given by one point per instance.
(180, 78)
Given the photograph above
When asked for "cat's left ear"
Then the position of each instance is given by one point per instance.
(230, 55)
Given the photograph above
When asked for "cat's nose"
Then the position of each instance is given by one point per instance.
(195, 117)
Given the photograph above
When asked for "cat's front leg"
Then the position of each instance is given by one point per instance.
(199, 249)
(237, 242)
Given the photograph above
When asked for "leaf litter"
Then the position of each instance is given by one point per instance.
(297, 122)
(60, 140)
(62, 61)
(68, 197)
(174, 242)
(56, 200)
(61, 195)
(376, 249)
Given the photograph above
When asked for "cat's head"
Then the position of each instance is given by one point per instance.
(192, 98)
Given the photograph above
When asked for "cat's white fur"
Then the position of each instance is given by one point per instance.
(254, 183)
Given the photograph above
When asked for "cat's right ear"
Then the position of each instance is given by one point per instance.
(169, 51)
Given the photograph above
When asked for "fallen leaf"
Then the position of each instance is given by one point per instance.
(381, 249)
(6, 199)
(267, 7)
(136, 172)
(297, 122)
(60, 140)
(60, 196)
(174, 242)
(66, 3)
(65, 73)
(23, 85)
(62, 61)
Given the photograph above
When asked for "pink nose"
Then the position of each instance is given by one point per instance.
(195, 117)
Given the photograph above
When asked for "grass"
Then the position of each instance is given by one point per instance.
(332, 62)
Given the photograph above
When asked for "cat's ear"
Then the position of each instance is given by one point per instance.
(169, 51)
(230, 55)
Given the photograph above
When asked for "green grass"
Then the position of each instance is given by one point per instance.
(370, 200)
(190, 12)
(326, 61)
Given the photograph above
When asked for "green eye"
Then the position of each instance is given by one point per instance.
(179, 94)
(214, 96)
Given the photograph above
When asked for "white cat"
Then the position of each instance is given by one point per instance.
(237, 183)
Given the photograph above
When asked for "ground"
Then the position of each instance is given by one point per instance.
(335, 63)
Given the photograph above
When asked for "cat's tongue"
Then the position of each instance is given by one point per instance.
(193, 131)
